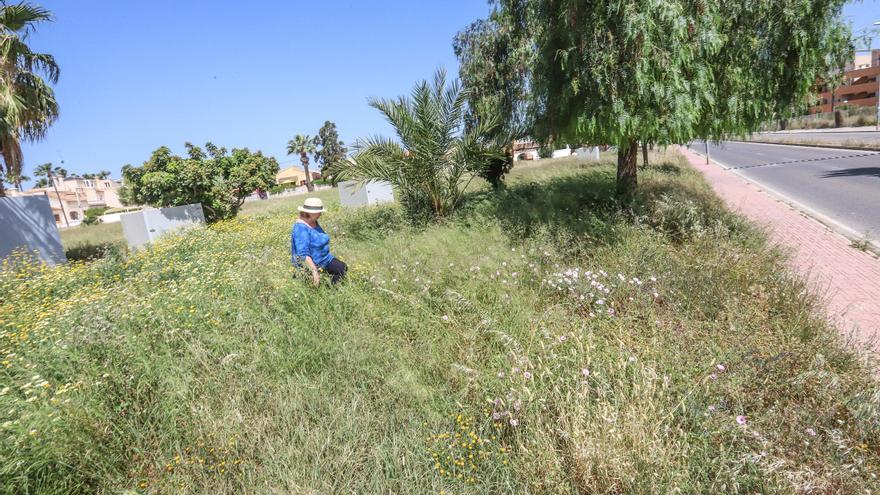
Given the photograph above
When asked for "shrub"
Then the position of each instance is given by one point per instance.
(89, 251)
(545, 151)
(92, 216)
(434, 160)
(219, 180)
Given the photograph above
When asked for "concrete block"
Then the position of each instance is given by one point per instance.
(591, 153)
(373, 192)
(27, 223)
(146, 226)
(562, 153)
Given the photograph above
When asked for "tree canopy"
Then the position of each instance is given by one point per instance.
(495, 58)
(622, 72)
(217, 179)
(330, 152)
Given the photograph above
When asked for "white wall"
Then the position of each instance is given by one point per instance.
(146, 226)
(27, 223)
(373, 192)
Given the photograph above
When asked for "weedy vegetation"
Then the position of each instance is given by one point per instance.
(544, 339)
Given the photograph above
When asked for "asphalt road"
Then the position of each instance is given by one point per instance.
(841, 185)
(871, 137)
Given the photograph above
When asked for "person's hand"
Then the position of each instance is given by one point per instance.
(316, 278)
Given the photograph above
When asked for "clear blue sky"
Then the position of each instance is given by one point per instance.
(138, 75)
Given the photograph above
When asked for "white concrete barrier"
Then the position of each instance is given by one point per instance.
(591, 153)
(146, 226)
(562, 153)
(373, 192)
(27, 224)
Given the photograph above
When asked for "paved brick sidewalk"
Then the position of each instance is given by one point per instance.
(848, 278)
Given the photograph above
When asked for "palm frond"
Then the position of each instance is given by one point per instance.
(433, 159)
(22, 17)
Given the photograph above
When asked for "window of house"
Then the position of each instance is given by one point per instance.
(89, 183)
(107, 184)
(57, 217)
(74, 215)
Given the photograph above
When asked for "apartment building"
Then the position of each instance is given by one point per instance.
(859, 87)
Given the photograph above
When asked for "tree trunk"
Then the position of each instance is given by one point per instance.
(2, 189)
(305, 162)
(645, 154)
(627, 156)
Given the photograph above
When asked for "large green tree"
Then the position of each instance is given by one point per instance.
(435, 156)
(219, 180)
(495, 57)
(668, 71)
(27, 102)
(303, 145)
(330, 151)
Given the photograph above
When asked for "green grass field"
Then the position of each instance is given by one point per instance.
(546, 339)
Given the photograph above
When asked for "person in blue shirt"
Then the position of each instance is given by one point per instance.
(310, 245)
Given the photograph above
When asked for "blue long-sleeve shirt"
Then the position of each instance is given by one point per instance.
(307, 241)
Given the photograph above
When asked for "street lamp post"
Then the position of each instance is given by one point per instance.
(60, 202)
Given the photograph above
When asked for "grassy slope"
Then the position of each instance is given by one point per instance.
(91, 241)
(203, 367)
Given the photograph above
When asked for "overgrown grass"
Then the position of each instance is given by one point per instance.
(91, 242)
(545, 340)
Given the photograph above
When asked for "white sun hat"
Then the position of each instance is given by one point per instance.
(312, 205)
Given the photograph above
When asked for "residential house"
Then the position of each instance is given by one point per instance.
(525, 150)
(72, 196)
(295, 175)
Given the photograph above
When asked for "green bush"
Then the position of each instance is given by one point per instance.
(92, 216)
(217, 179)
(545, 151)
(435, 156)
(89, 251)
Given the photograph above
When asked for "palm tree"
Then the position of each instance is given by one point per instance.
(435, 156)
(16, 180)
(304, 145)
(27, 103)
(103, 174)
